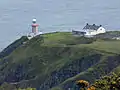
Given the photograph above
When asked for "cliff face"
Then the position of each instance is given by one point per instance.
(57, 60)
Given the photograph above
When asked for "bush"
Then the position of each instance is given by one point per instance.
(111, 82)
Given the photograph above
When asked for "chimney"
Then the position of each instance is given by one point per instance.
(100, 25)
(93, 24)
(87, 24)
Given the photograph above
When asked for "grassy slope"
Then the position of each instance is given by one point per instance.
(13, 46)
(33, 62)
(43, 58)
(108, 46)
(111, 47)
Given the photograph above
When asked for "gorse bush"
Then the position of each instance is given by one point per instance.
(84, 85)
(111, 82)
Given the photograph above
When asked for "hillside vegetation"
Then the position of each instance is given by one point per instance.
(55, 60)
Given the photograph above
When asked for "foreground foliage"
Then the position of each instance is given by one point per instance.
(7, 86)
(111, 82)
(58, 59)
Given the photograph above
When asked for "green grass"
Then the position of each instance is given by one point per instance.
(42, 55)
(63, 39)
(108, 46)
(56, 88)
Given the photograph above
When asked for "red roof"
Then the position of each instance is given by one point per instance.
(35, 25)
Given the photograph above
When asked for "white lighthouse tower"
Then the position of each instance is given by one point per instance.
(34, 27)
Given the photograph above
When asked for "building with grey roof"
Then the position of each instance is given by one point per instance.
(89, 30)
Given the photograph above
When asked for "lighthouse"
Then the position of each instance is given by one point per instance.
(34, 27)
(35, 31)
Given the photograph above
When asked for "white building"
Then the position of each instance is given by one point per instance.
(117, 38)
(35, 31)
(89, 30)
